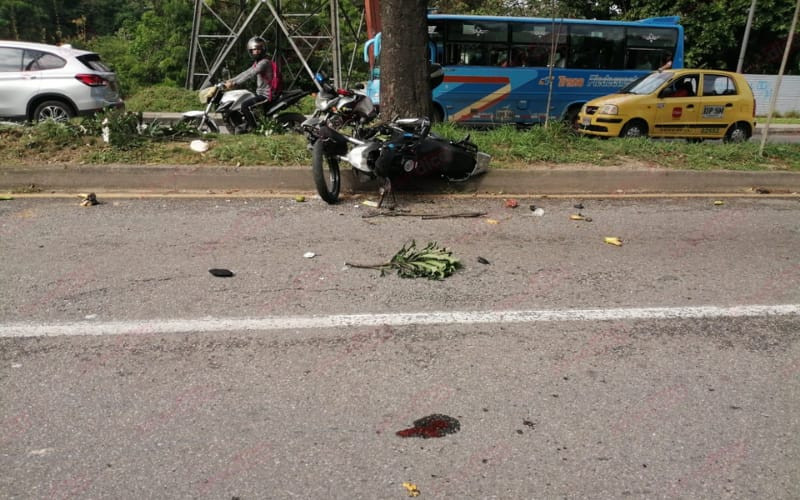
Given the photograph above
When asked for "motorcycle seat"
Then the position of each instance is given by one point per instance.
(419, 126)
(288, 94)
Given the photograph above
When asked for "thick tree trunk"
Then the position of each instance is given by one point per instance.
(404, 69)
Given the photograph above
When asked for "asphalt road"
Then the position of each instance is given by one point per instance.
(668, 367)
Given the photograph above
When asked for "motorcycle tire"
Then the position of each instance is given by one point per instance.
(291, 121)
(204, 126)
(327, 185)
(208, 127)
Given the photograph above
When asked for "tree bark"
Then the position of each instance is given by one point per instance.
(405, 91)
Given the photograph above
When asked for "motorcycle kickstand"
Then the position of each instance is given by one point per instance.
(387, 189)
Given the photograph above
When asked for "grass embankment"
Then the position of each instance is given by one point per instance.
(80, 143)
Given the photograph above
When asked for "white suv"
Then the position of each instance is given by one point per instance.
(48, 82)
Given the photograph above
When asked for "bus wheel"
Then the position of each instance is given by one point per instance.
(571, 118)
(634, 128)
(436, 115)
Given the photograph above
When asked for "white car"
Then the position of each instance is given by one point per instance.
(48, 82)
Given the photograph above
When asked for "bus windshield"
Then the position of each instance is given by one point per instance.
(524, 70)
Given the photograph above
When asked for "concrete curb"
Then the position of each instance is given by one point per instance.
(556, 181)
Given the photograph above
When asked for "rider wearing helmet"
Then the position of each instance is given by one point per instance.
(262, 70)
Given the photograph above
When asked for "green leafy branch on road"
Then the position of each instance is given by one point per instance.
(432, 262)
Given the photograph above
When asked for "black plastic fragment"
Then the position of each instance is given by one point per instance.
(221, 273)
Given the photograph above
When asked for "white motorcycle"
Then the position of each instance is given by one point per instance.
(229, 106)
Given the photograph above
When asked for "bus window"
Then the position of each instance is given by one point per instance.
(473, 31)
(436, 37)
(647, 47)
(474, 43)
(536, 39)
(596, 47)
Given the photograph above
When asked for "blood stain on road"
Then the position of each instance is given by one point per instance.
(432, 426)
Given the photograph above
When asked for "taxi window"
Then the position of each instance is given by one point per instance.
(718, 85)
(685, 86)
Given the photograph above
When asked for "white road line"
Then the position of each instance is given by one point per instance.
(167, 326)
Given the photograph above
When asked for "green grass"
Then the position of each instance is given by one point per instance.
(534, 147)
(163, 98)
(781, 119)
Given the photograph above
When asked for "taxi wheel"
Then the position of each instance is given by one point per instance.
(739, 132)
(634, 128)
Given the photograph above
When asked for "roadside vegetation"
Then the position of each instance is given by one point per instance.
(132, 141)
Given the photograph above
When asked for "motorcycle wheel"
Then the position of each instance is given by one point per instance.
(208, 127)
(291, 121)
(327, 185)
(203, 125)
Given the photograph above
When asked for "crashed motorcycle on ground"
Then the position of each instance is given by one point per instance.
(228, 104)
(340, 131)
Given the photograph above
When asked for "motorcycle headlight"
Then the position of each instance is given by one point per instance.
(609, 109)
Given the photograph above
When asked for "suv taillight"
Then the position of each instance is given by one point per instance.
(92, 80)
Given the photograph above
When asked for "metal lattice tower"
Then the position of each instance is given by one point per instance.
(209, 50)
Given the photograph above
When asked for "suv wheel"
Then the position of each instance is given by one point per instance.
(52, 110)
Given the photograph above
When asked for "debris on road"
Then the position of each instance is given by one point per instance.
(537, 211)
(300, 198)
(412, 489)
(578, 206)
(580, 216)
(6, 198)
(482, 260)
(406, 213)
(309, 255)
(719, 202)
(432, 426)
(198, 146)
(89, 200)
(512, 203)
(432, 262)
(613, 240)
(221, 273)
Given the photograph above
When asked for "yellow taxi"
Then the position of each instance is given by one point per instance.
(694, 104)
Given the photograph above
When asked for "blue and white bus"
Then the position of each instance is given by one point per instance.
(507, 69)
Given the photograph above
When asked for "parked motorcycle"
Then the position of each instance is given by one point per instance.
(396, 149)
(229, 105)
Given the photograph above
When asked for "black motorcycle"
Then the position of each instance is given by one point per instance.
(400, 148)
